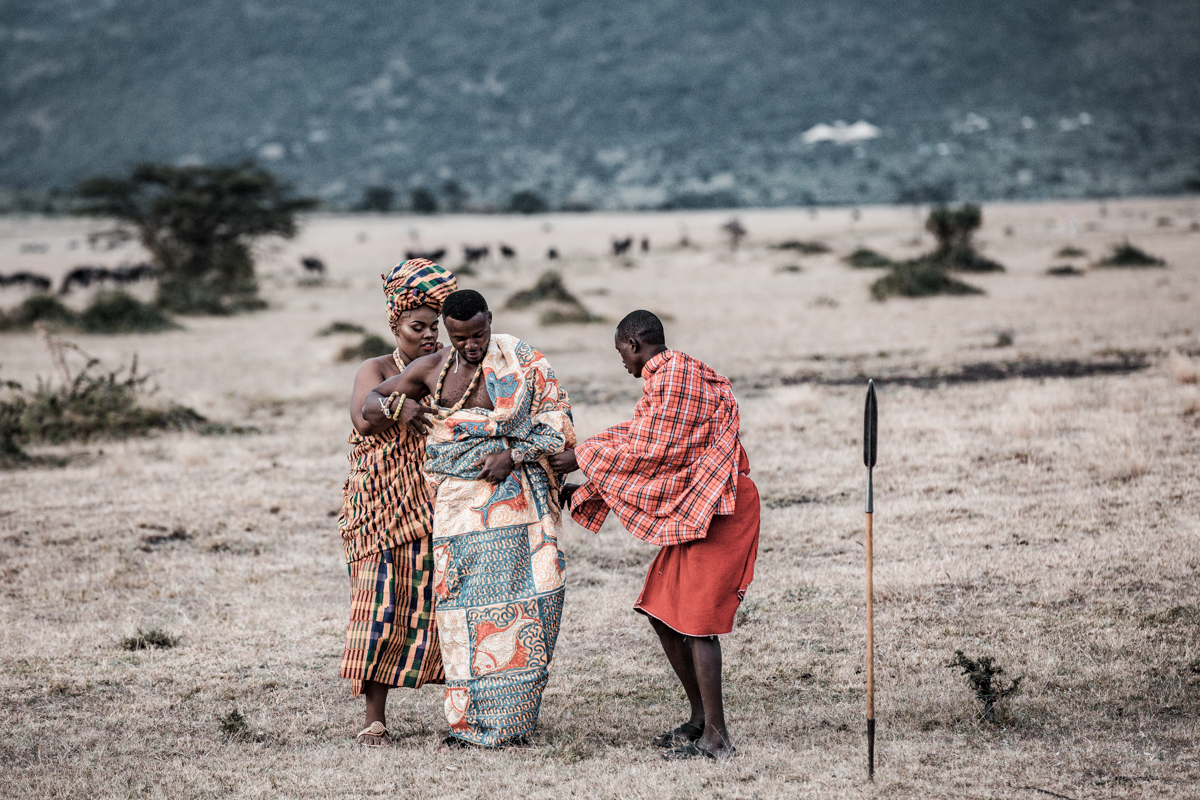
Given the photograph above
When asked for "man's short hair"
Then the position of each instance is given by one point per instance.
(464, 305)
(641, 325)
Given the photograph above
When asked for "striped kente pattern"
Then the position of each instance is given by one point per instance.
(392, 637)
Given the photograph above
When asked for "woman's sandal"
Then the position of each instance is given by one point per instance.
(378, 732)
(683, 735)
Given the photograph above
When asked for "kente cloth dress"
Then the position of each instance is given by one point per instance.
(386, 525)
(498, 571)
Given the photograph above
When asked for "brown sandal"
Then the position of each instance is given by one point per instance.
(377, 730)
(683, 735)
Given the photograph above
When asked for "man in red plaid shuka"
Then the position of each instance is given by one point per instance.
(676, 476)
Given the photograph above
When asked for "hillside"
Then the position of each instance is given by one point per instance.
(613, 104)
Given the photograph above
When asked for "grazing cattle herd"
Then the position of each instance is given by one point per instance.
(86, 276)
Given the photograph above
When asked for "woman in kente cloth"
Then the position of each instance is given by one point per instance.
(387, 512)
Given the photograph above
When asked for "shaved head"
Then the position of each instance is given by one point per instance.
(643, 326)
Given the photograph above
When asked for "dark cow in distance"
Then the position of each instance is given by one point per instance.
(313, 264)
(508, 252)
(620, 246)
(39, 282)
(473, 254)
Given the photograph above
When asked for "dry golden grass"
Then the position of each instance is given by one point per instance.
(1051, 523)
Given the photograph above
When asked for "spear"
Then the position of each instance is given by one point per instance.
(870, 441)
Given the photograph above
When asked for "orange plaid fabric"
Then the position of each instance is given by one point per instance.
(666, 472)
(392, 637)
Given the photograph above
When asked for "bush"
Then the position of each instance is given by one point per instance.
(1126, 255)
(340, 327)
(1070, 252)
(1064, 271)
(983, 677)
(108, 312)
(198, 224)
(91, 403)
(144, 640)
(570, 315)
(549, 287)
(371, 346)
(234, 726)
(527, 202)
(37, 308)
(919, 279)
(811, 248)
(863, 258)
(954, 229)
(121, 312)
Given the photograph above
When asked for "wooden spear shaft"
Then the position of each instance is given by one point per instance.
(870, 435)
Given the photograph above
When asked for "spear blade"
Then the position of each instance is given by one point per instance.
(870, 427)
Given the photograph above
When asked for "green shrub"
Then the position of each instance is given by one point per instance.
(864, 258)
(90, 403)
(810, 248)
(983, 677)
(371, 346)
(1070, 252)
(1126, 255)
(120, 312)
(568, 315)
(144, 640)
(341, 327)
(37, 308)
(1064, 271)
(919, 279)
(234, 726)
(954, 229)
(549, 287)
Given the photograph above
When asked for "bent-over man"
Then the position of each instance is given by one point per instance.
(498, 573)
(677, 477)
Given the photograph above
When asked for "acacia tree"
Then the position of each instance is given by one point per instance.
(198, 223)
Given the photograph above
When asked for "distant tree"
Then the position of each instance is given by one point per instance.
(423, 201)
(953, 229)
(527, 202)
(198, 224)
(376, 198)
(456, 195)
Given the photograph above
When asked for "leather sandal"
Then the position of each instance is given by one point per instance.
(684, 734)
(377, 730)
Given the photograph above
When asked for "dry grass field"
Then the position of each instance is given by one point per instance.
(1043, 511)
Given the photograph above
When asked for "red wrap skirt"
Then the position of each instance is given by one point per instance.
(696, 587)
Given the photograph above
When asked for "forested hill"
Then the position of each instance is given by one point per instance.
(613, 103)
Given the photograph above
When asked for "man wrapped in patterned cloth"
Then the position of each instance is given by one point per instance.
(387, 510)
(677, 477)
(498, 572)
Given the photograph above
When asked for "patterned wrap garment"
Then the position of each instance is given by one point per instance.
(498, 571)
(385, 523)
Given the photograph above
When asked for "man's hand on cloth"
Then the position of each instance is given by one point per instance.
(563, 463)
(496, 467)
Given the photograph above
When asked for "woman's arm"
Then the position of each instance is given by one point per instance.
(412, 384)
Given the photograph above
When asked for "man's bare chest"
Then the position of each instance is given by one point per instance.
(455, 384)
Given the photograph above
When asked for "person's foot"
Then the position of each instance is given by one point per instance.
(694, 750)
(683, 735)
(374, 735)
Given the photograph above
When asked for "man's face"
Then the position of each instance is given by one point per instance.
(471, 337)
(629, 355)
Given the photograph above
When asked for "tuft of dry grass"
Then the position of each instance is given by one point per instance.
(1183, 369)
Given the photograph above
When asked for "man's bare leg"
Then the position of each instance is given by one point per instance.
(706, 658)
(376, 694)
(679, 652)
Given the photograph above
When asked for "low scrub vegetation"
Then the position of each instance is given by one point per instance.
(1064, 271)
(865, 258)
(371, 346)
(919, 279)
(1128, 256)
(144, 640)
(983, 676)
(108, 312)
(810, 248)
(563, 308)
(90, 403)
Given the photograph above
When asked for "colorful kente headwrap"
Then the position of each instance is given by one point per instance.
(416, 282)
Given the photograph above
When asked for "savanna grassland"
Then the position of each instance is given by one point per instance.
(1041, 509)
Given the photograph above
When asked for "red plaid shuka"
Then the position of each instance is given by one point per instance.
(667, 471)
